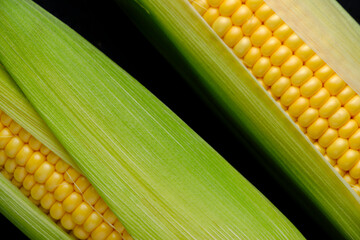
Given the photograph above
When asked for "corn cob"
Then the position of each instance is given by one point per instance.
(156, 175)
(324, 107)
(275, 62)
(54, 186)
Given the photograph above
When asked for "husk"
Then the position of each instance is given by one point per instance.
(160, 178)
(195, 50)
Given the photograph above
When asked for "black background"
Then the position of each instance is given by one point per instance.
(104, 25)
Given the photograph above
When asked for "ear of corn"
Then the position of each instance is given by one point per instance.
(158, 177)
(219, 55)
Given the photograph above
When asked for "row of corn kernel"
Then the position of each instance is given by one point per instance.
(58, 189)
(323, 106)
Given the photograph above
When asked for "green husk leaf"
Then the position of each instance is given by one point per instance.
(26, 215)
(160, 178)
(209, 65)
(329, 30)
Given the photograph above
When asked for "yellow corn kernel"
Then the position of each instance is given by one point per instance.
(228, 7)
(101, 206)
(72, 201)
(328, 137)
(23, 155)
(280, 55)
(36, 202)
(233, 36)
(81, 184)
(254, 4)
(5, 120)
(330, 160)
(6, 174)
(290, 66)
(241, 15)
(339, 170)
(109, 216)
(354, 140)
(126, 235)
(308, 117)
(211, 15)
(330, 107)
(312, 86)
(47, 200)
(353, 105)
(264, 12)
(63, 190)
(5, 136)
(52, 158)
(20, 174)
(24, 135)
(261, 67)
(270, 46)
(10, 165)
(251, 25)
(320, 98)
(44, 150)
(215, 3)
(91, 196)
(260, 36)
(15, 128)
(61, 166)
(92, 222)
(345, 95)
(71, 175)
(298, 107)
(293, 42)
(324, 73)
(301, 76)
(38, 191)
(334, 84)
(337, 148)
(222, 25)
(280, 86)
(349, 159)
(319, 148)
(318, 128)
(34, 144)
(348, 129)
(200, 6)
(114, 235)
(304, 52)
(53, 181)
(118, 226)
(13, 147)
(25, 192)
(80, 214)
(29, 182)
(339, 118)
(355, 171)
(45, 170)
(101, 232)
(273, 22)
(3, 157)
(272, 75)
(314, 63)
(67, 222)
(80, 233)
(350, 180)
(290, 95)
(242, 47)
(34, 162)
(283, 32)
(252, 56)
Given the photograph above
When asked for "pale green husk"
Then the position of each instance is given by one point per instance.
(198, 53)
(25, 215)
(160, 178)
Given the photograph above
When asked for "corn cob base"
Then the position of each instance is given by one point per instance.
(324, 107)
(55, 187)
